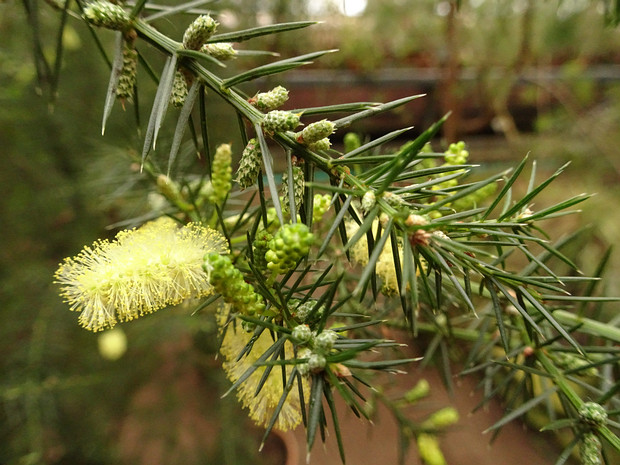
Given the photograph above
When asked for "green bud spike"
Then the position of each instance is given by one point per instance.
(590, 450)
(428, 448)
(320, 206)
(127, 79)
(323, 144)
(442, 418)
(278, 121)
(456, 154)
(291, 243)
(199, 32)
(228, 281)
(315, 132)
(593, 414)
(102, 13)
(298, 188)
(260, 246)
(249, 165)
(179, 90)
(267, 101)
(221, 173)
(220, 50)
(302, 333)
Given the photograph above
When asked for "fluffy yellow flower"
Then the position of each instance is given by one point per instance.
(262, 405)
(139, 272)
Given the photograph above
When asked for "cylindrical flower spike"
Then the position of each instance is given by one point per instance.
(315, 132)
(179, 90)
(278, 121)
(267, 101)
(323, 144)
(199, 32)
(428, 448)
(106, 14)
(260, 246)
(141, 271)
(320, 206)
(590, 450)
(298, 188)
(127, 78)
(249, 165)
(228, 281)
(221, 172)
(291, 243)
(220, 50)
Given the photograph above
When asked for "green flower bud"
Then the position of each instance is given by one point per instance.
(179, 90)
(368, 201)
(260, 246)
(303, 311)
(442, 418)
(456, 154)
(590, 450)
(228, 281)
(199, 32)
(351, 141)
(303, 368)
(568, 361)
(316, 362)
(593, 414)
(267, 101)
(314, 132)
(419, 391)
(127, 78)
(323, 144)
(221, 173)
(105, 14)
(291, 243)
(324, 341)
(278, 121)
(220, 50)
(428, 448)
(298, 188)
(320, 206)
(249, 165)
(302, 333)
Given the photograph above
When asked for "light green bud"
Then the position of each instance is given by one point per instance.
(199, 32)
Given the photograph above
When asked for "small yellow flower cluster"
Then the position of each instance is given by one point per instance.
(262, 405)
(141, 271)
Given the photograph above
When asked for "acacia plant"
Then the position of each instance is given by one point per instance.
(308, 253)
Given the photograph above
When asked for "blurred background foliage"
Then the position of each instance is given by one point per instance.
(518, 75)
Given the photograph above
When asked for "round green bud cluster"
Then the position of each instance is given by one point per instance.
(323, 144)
(291, 243)
(316, 362)
(298, 188)
(220, 50)
(278, 121)
(127, 77)
(199, 32)
(419, 391)
(179, 90)
(260, 246)
(315, 132)
(221, 172)
(368, 201)
(590, 450)
(593, 414)
(302, 333)
(228, 281)
(320, 206)
(106, 14)
(267, 101)
(351, 141)
(456, 154)
(303, 311)
(249, 165)
(324, 341)
(442, 418)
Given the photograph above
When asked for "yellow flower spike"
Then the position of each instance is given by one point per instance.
(139, 272)
(261, 406)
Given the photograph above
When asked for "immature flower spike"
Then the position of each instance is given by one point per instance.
(298, 188)
(315, 132)
(320, 206)
(249, 165)
(278, 121)
(267, 101)
(127, 78)
(179, 90)
(291, 243)
(220, 50)
(141, 271)
(261, 405)
(323, 144)
(590, 450)
(106, 14)
(221, 172)
(199, 32)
